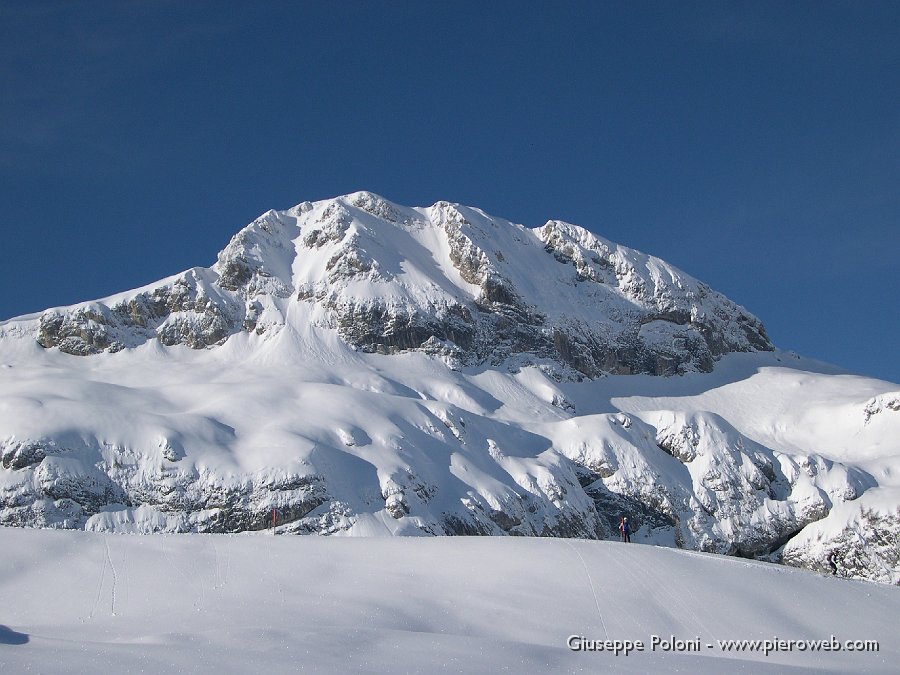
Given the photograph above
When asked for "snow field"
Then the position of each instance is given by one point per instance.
(76, 602)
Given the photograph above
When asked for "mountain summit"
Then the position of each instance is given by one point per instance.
(356, 367)
(448, 279)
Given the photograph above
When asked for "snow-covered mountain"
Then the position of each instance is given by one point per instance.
(448, 280)
(362, 367)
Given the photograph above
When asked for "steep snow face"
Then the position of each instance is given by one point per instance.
(353, 366)
(449, 280)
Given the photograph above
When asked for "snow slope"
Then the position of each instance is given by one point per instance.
(77, 602)
(362, 367)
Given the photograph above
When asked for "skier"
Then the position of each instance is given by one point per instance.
(832, 560)
(625, 529)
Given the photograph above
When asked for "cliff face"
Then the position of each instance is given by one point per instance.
(356, 366)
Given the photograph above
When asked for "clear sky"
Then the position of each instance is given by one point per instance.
(755, 145)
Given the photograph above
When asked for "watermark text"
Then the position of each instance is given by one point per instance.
(766, 646)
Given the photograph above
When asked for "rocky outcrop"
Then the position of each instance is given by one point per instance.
(886, 403)
(634, 313)
(98, 486)
(713, 489)
(861, 538)
(181, 312)
(663, 329)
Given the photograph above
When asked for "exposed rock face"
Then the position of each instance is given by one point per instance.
(70, 486)
(692, 476)
(55, 486)
(862, 540)
(486, 290)
(178, 313)
(879, 405)
(717, 490)
(646, 318)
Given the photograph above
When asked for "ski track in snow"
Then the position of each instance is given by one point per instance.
(125, 586)
(591, 583)
(99, 587)
(227, 565)
(636, 583)
(222, 563)
(271, 573)
(115, 578)
(665, 588)
(217, 582)
(114, 599)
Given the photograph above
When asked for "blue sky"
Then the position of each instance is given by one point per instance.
(755, 145)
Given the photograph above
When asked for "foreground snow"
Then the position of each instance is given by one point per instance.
(87, 602)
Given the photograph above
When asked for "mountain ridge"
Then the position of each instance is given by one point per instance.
(391, 278)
